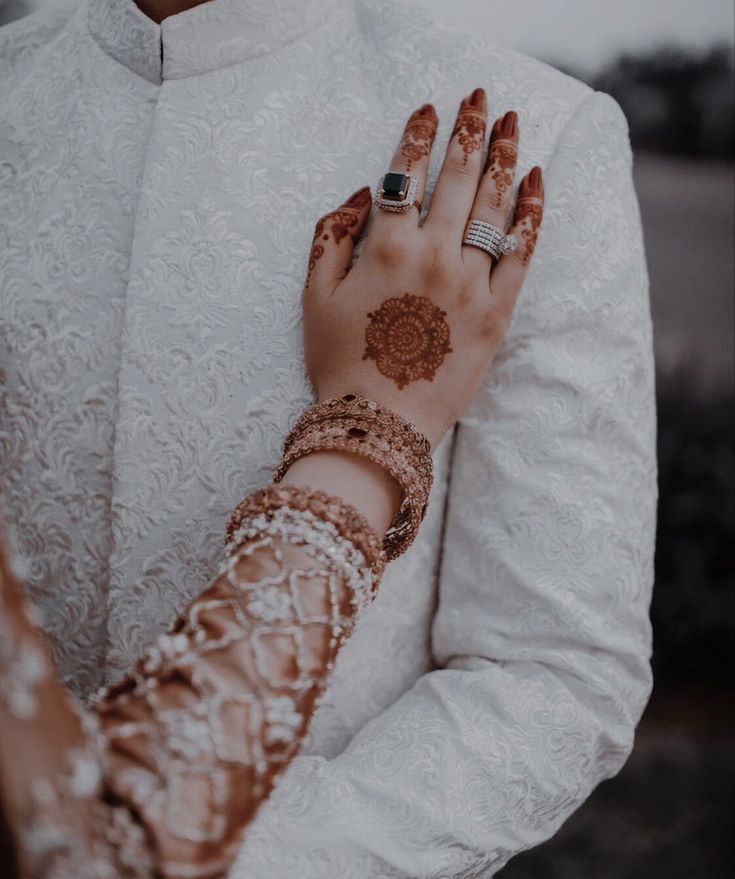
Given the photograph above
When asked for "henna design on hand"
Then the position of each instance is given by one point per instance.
(469, 128)
(339, 223)
(528, 214)
(502, 156)
(418, 135)
(408, 338)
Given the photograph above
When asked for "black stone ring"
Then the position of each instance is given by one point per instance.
(396, 192)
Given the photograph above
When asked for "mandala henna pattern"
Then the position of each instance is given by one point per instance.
(408, 338)
(339, 223)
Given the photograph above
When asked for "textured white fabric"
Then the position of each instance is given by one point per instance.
(156, 209)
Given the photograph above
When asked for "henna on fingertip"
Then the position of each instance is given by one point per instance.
(528, 214)
(418, 135)
(471, 123)
(502, 155)
(348, 219)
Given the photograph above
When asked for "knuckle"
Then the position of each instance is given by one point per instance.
(466, 297)
(495, 202)
(438, 264)
(322, 226)
(459, 170)
(494, 325)
(385, 250)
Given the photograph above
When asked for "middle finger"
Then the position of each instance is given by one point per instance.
(455, 189)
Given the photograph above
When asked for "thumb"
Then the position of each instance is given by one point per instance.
(335, 236)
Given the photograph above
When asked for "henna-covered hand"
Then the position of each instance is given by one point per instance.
(418, 319)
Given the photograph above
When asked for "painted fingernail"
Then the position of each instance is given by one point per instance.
(427, 111)
(509, 123)
(534, 178)
(360, 198)
(478, 99)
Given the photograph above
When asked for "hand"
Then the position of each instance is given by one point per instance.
(417, 321)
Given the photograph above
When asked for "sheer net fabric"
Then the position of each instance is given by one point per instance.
(163, 773)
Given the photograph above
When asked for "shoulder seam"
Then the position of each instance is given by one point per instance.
(588, 98)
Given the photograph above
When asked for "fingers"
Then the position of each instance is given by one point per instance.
(507, 277)
(334, 241)
(493, 199)
(411, 157)
(457, 184)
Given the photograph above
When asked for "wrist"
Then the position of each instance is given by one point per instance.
(367, 486)
(417, 413)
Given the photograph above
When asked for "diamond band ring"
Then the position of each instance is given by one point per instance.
(397, 192)
(490, 239)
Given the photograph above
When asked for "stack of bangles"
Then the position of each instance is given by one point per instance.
(351, 424)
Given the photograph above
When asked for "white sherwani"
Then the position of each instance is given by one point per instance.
(158, 190)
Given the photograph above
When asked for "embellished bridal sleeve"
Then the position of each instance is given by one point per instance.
(165, 772)
(541, 638)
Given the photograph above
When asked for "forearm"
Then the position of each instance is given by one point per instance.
(217, 708)
(192, 740)
(365, 485)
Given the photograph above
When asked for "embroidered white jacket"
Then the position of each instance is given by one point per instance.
(158, 190)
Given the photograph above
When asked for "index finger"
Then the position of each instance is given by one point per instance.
(412, 157)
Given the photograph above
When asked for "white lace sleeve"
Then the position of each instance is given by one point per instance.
(542, 635)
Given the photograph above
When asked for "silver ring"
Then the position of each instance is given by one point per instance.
(396, 192)
(490, 239)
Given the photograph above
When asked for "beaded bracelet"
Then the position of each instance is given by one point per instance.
(343, 516)
(320, 540)
(364, 427)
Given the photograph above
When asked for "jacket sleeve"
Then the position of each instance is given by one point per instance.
(542, 637)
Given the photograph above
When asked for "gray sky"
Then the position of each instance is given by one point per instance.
(587, 33)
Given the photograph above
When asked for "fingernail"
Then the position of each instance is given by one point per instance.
(427, 111)
(534, 178)
(360, 198)
(509, 123)
(478, 98)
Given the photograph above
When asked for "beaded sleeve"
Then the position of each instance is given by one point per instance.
(165, 771)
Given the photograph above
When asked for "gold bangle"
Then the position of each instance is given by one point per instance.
(354, 424)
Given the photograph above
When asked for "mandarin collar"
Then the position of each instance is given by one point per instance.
(212, 35)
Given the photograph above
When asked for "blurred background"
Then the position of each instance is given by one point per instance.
(669, 63)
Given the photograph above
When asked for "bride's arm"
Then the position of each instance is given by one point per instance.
(197, 734)
(172, 763)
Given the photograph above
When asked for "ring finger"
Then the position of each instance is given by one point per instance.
(493, 199)
(412, 158)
